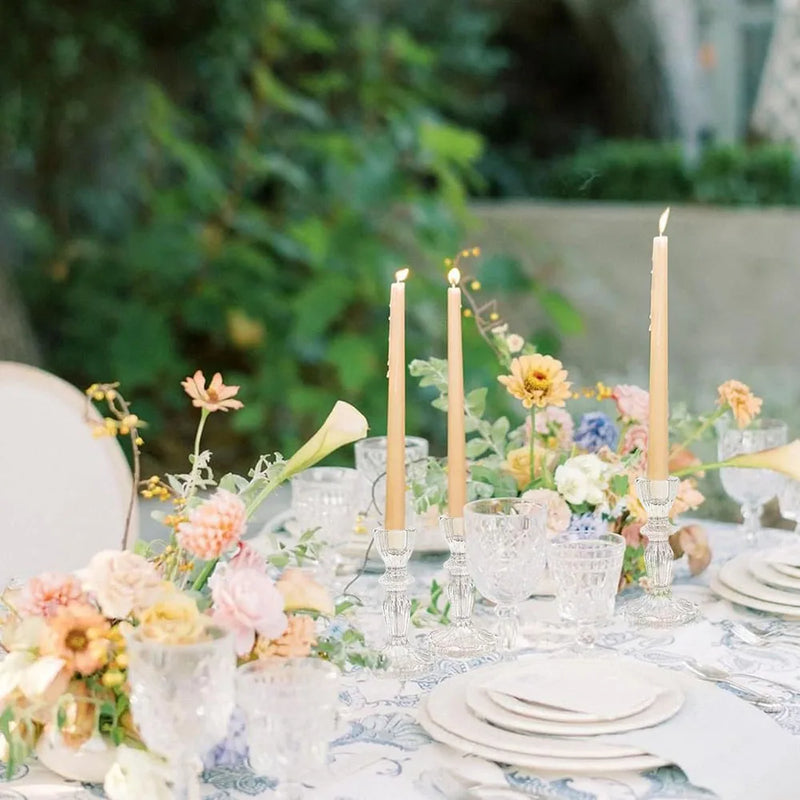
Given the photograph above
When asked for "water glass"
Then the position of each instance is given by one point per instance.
(751, 488)
(182, 698)
(371, 467)
(789, 499)
(326, 499)
(587, 574)
(291, 708)
(506, 541)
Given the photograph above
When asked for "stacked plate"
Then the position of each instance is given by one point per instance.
(547, 713)
(767, 580)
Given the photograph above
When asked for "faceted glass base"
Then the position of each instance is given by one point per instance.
(404, 662)
(461, 641)
(660, 611)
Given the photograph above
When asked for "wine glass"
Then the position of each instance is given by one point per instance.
(325, 498)
(587, 574)
(182, 698)
(291, 708)
(749, 487)
(371, 467)
(506, 543)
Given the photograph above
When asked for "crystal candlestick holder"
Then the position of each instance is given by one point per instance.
(402, 659)
(459, 639)
(658, 608)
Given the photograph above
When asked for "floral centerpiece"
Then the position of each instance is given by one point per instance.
(64, 678)
(581, 466)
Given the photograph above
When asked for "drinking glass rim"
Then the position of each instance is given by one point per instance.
(136, 639)
(725, 424)
(307, 476)
(473, 505)
(316, 668)
(379, 442)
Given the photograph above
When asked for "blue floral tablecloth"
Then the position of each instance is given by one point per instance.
(382, 752)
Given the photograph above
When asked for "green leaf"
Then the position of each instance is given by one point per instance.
(619, 485)
(475, 402)
(476, 448)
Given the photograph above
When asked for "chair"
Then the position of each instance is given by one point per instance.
(64, 494)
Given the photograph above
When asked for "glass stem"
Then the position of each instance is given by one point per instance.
(186, 785)
(507, 627)
(290, 790)
(751, 522)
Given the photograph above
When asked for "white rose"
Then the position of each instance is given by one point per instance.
(122, 582)
(138, 774)
(515, 343)
(572, 483)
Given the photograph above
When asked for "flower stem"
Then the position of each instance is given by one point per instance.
(703, 428)
(532, 443)
(202, 579)
(692, 470)
(204, 412)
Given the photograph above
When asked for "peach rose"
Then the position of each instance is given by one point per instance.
(302, 593)
(688, 498)
(123, 582)
(694, 542)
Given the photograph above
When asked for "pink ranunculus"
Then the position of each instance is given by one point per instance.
(45, 594)
(635, 439)
(553, 420)
(633, 402)
(214, 526)
(246, 601)
(689, 497)
(558, 512)
(247, 556)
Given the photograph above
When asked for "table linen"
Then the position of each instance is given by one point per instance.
(382, 752)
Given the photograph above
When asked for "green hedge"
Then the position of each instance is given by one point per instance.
(762, 174)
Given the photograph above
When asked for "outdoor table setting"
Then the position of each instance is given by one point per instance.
(539, 614)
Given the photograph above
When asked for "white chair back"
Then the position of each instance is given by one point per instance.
(64, 494)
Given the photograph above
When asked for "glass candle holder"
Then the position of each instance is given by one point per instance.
(402, 659)
(460, 638)
(658, 608)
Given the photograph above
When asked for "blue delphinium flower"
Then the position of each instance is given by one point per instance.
(587, 525)
(596, 430)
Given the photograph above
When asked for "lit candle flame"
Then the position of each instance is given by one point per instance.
(662, 221)
(401, 274)
(454, 276)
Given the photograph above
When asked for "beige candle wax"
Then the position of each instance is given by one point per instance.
(395, 517)
(658, 435)
(456, 439)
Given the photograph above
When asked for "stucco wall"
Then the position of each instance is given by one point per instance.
(734, 290)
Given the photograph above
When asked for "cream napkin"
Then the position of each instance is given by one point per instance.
(724, 744)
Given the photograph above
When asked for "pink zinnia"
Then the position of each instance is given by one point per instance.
(214, 526)
(45, 594)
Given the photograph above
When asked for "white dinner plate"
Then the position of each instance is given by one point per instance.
(736, 576)
(765, 572)
(571, 689)
(787, 569)
(667, 704)
(568, 766)
(726, 593)
(447, 707)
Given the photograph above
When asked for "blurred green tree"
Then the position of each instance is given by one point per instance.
(230, 184)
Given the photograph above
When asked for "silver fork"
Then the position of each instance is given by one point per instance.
(708, 672)
(761, 638)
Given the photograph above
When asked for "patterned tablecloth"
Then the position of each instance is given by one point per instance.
(383, 753)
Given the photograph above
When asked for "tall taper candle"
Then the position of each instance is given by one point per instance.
(395, 516)
(658, 434)
(456, 439)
